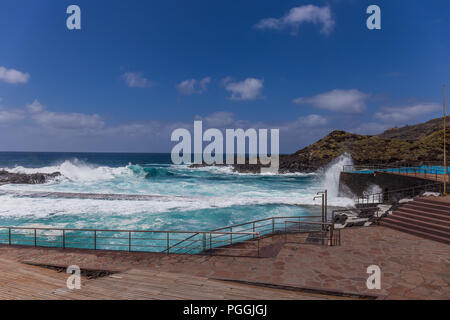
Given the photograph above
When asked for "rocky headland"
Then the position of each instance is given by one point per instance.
(396, 146)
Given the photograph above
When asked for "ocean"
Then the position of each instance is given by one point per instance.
(175, 197)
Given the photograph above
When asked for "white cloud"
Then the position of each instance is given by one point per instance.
(401, 115)
(370, 128)
(13, 76)
(35, 107)
(8, 116)
(219, 119)
(136, 80)
(69, 120)
(312, 120)
(37, 128)
(347, 101)
(300, 15)
(249, 89)
(192, 86)
(61, 120)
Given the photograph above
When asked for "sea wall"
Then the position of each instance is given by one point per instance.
(357, 183)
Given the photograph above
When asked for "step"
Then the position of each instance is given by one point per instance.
(415, 232)
(420, 223)
(421, 228)
(433, 200)
(424, 213)
(439, 205)
(426, 208)
(444, 221)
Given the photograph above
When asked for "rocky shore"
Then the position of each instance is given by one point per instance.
(24, 178)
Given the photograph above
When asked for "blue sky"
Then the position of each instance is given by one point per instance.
(139, 69)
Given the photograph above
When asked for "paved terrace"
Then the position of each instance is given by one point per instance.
(22, 281)
(412, 267)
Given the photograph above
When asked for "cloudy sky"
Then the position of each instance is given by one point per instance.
(137, 70)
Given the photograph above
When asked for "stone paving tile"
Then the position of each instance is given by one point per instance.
(412, 267)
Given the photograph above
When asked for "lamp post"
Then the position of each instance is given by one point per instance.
(445, 151)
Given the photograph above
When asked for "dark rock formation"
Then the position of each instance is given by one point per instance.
(24, 178)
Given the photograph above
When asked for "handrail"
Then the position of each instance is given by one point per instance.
(311, 222)
(418, 164)
(112, 230)
(237, 226)
(60, 240)
(428, 172)
(112, 239)
(327, 231)
(126, 231)
(178, 243)
(381, 195)
(264, 219)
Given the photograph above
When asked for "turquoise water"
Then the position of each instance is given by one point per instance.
(175, 197)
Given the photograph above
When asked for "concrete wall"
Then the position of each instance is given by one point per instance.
(357, 183)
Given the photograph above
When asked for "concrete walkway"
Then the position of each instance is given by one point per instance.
(412, 267)
(21, 281)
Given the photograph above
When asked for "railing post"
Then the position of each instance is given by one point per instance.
(9, 235)
(253, 230)
(167, 238)
(64, 239)
(231, 235)
(331, 234)
(95, 239)
(323, 211)
(204, 242)
(35, 237)
(129, 241)
(258, 245)
(210, 244)
(273, 225)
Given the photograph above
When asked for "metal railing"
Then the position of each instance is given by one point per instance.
(219, 241)
(263, 227)
(121, 240)
(391, 196)
(313, 232)
(430, 172)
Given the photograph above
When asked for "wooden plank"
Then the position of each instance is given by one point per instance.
(21, 281)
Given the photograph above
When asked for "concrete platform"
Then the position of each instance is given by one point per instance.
(412, 267)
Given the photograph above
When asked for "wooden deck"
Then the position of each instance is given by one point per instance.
(20, 281)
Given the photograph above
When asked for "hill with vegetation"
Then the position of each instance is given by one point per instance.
(407, 145)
